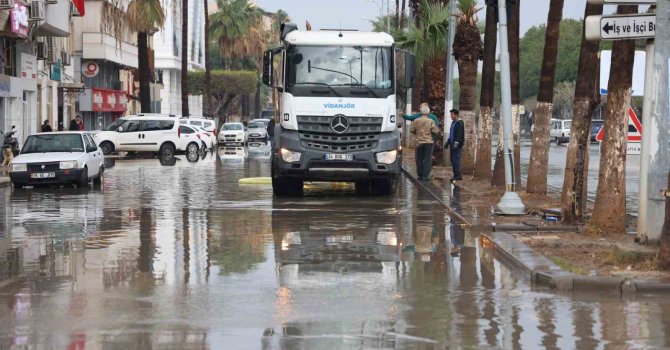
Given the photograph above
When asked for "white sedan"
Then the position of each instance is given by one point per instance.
(233, 133)
(58, 158)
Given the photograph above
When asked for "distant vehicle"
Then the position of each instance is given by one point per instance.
(262, 120)
(233, 133)
(70, 157)
(190, 140)
(207, 124)
(596, 125)
(257, 130)
(208, 138)
(142, 133)
(560, 130)
(267, 114)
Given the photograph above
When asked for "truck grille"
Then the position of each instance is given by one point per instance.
(363, 134)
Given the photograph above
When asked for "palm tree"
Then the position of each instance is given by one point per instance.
(144, 16)
(573, 197)
(238, 29)
(184, 58)
(609, 210)
(208, 75)
(539, 154)
(467, 52)
(483, 163)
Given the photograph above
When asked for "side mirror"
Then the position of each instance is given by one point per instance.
(120, 129)
(410, 69)
(267, 68)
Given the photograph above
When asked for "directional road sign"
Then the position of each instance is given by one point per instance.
(620, 27)
(622, 2)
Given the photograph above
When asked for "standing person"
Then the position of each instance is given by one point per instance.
(271, 133)
(424, 129)
(80, 123)
(455, 143)
(46, 127)
(74, 126)
(60, 126)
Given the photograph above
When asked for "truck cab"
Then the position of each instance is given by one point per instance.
(335, 103)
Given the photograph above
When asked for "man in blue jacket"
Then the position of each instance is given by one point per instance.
(455, 143)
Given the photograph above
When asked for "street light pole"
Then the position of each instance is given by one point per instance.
(510, 203)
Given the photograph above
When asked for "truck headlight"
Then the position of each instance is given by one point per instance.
(387, 157)
(68, 164)
(18, 167)
(289, 156)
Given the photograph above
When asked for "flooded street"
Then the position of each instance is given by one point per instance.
(180, 256)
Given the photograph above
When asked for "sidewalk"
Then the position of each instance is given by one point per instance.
(548, 254)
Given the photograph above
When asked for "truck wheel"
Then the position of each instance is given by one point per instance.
(384, 187)
(363, 188)
(286, 186)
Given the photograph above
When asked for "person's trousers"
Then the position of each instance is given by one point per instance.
(455, 153)
(424, 160)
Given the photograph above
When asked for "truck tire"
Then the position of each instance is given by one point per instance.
(384, 187)
(287, 186)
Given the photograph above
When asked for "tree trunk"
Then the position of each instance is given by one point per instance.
(208, 75)
(539, 154)
(609, 211)
(144, 72)
(573, 197)
(397, 14)
(467, 72)
(664, 251)
(403, 12)
(498, 178)
(483, 156)
(184, 59)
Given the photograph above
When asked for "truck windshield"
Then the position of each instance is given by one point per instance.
(356, 71)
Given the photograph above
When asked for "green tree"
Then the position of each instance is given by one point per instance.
(239, 30)
(144, 16)
(225, 87)
(532, 47)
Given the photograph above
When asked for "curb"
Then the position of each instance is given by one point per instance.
(538, 269)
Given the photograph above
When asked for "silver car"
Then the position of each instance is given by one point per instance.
(257, 131)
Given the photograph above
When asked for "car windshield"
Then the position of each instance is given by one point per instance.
(595, 125)
(256, 125)
(115, 125)
(232, 127)
(46, 143)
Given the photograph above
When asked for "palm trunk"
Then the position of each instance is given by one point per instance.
(402, 12)
(208, 75)
(539, 154)
(397, 14)
(609, 211)
(144, 72)
(184, 59)
(498, 178)
(483, 156)
(467, 72)
(573, 197)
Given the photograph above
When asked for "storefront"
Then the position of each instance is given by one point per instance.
(101, 107)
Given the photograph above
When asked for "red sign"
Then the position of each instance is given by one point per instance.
(108, 100)
(632, 120)
(19, 19)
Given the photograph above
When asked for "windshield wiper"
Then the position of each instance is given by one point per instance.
(318, 83)
(362, 85)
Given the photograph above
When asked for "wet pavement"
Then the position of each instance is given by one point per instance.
(178, 255)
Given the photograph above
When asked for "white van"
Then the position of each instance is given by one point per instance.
(560, 130)
(142, 133)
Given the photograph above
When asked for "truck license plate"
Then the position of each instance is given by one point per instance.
(42, 175)
(339, 156)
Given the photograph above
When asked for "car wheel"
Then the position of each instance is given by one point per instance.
(167, 151)
(192, 150)
(83, 181)
(98, 180)
(107, 147)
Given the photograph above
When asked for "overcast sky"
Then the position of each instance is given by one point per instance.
(351, 14)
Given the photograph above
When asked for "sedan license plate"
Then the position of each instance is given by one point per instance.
(42, 175)
(339, 156)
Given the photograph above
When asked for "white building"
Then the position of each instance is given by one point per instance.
(168, 46)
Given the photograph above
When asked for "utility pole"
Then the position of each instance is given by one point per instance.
(510, 203)
(388, 15)
(643, 197)
(408, 104)
(449, 73)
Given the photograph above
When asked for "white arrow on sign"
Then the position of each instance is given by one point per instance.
(621, 2)
(620, 27)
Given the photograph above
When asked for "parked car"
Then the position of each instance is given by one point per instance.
(233, 133)
(257, 131)
(69, 157)
(560, 130)
(142, 133)
(190, 140)
(205, 123)
(262, 120)
(267, 114)
(596, 125)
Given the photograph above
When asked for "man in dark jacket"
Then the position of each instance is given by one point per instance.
(46, 127)
(74, 126)
(455, 143)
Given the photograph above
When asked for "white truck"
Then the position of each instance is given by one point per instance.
(335, 109)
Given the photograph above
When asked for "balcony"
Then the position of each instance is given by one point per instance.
(105, 47)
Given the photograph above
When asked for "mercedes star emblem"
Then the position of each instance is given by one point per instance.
(43, 167)
(339, 124)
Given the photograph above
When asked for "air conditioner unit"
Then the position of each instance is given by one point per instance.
(51, 55)
(36, 10)
(41, 50)
(65, 58)
(6, 4)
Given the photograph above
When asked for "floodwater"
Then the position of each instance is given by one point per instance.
(178, 255)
